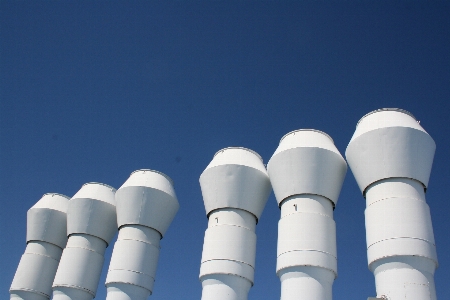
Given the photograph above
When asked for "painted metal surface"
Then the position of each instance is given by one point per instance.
(388, 144)
(398, 223)
(147, 198)
(229, 240)
(306, 253)
(92, 210)
(224, 287)
(303, 162)
(391, 156)
(306, 172)
(46, 237)
(235, 188)
(305, 236)
(305, 282)
(91, 224)
(146, 206)
(243, 181)
(125, 291)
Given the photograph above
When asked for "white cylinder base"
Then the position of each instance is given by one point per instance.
(123, 291)
(306, 283)
(68, 293)
(225, 287)
(407, 277)
(26, 295)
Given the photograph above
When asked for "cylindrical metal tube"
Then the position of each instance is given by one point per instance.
(146, 205)
(306, 172)
(91, 224)
(80, 266)
(306, 262)
(46, 237)
(405, 277)
(391, 155)
(224, 287)
(306, 236)
(230, 244)
(125, 291)
(309, 282)
(235, 188)
(134, 261)
(400, 241)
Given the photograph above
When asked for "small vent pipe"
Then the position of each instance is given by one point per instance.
(146, 205)
(391, 156)
(46, 239)
(91, 224)
(235, 189)
(306, 172)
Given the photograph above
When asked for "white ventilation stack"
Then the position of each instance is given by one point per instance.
(146, 205)
(91, 224)
(391, 155)
(46, 239)
(235, 189)
(306, 172)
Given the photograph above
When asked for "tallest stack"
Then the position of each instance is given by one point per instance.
(391, 155)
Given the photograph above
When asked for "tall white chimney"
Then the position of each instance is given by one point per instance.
(391, 155)
(46, 238)
(235, 189)
(91, 224)
(306, 172)
(146, 205)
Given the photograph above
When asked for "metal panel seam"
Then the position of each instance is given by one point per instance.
(307, 250)
(225, 259)
(401, 237)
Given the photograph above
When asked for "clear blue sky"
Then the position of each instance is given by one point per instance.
(93, 90)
